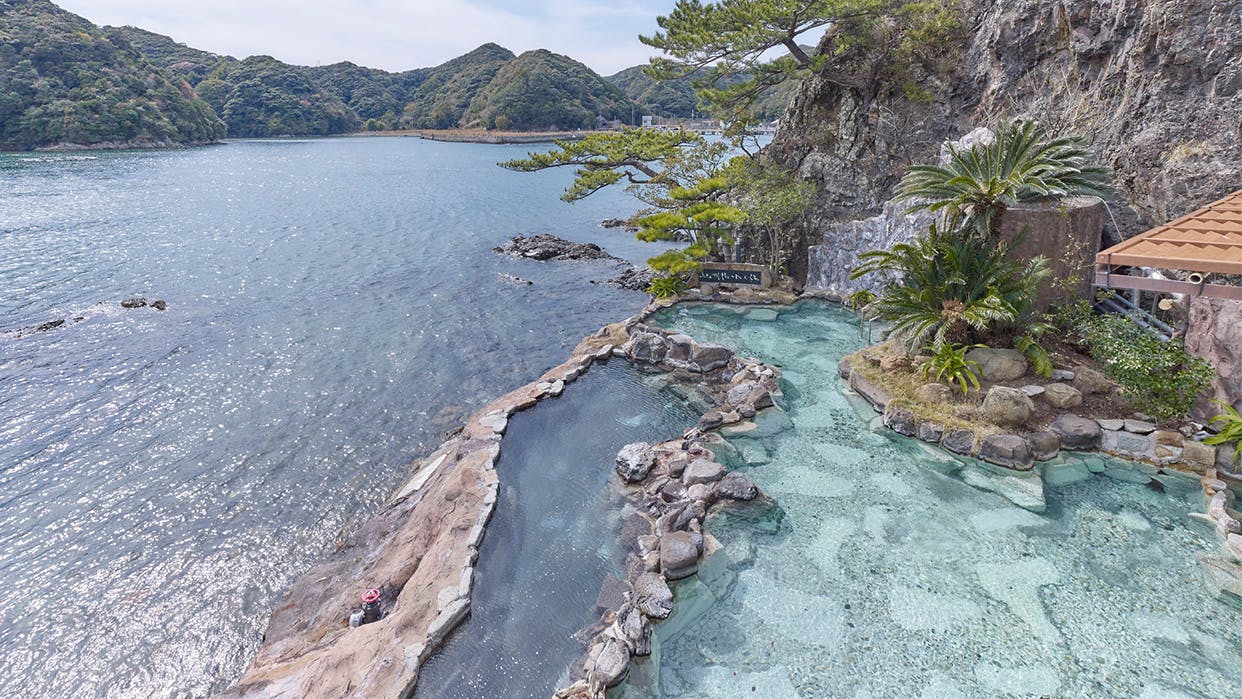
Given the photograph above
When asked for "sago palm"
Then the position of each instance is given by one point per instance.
(1023, 163)
(951, 287)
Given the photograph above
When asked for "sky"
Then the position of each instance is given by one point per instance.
(393, 34)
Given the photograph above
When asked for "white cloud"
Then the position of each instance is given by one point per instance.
(392, 34)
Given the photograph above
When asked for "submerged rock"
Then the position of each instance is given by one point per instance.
(136, 302)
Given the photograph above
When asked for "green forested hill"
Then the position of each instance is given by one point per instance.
(65, 81)
(544, 90)
(449, 89)
(190, 63)
(261, 96)
(676, 98)
(371, 94)
(672, 98)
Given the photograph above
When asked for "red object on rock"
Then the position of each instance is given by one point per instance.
(370, 596)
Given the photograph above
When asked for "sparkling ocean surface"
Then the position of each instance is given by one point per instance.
(333, 307)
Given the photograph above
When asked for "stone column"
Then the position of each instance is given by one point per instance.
(1067, 232)
(1215, 334)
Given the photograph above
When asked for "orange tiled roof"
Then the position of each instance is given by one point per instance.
(1208, 241)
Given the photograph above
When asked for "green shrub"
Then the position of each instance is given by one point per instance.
(1159, 378)
(1230, 429)
(949, 363)
(952, 287)
(666, 287)
(1024, 163)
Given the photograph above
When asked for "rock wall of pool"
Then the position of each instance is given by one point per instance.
(890, 568)
(865, 564)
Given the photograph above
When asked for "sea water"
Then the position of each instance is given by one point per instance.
(333, 307)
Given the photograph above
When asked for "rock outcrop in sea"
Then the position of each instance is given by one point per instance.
(544, 246)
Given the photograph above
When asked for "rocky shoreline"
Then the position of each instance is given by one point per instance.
(480, 136)
(419, 550)
(546, 247)
(668, 491)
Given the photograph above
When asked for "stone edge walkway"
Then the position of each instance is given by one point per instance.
(419, 549)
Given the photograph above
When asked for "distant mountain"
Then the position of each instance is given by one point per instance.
(445, 95)
(65, 81)
(676, 98)
(489, 86)
(545, 90)
(672, 98)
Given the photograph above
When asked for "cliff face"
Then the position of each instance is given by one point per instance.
(1154, 85)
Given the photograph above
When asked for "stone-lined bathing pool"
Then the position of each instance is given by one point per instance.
(551, 541)
(881, 571)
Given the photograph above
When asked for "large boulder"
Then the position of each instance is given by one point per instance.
(1090, 381)
(612, 662)
(679, 556)
(652, 596)
(1007, 406)
(709, 356)
(959, 441)
(634, 461)
(1077, 433)
(1044, 445)
(998, 364)
(1062, 396)
(1008, 450)
(702, 471)
(647, 347)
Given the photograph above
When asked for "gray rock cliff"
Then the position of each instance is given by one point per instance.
(1154, 85)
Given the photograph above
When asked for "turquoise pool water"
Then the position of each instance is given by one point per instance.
(881, 571)
(551, 541)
